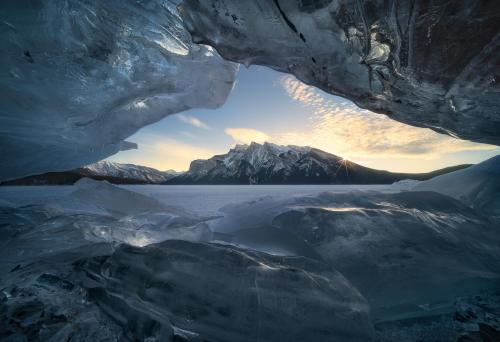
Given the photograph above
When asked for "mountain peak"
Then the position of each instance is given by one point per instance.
(264, 163)
(271, 146)
(269, 163)
(144, 174)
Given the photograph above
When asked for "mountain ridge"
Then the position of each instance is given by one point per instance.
(254, 163)
(269, 163)
(112, 172)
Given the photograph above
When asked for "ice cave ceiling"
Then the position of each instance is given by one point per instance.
(77, 77)
(432, 64)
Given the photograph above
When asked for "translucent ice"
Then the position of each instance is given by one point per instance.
(77, 77)
(138, 219)
(131, 267)
(114, 199)
(221, 293)
(401, 250)
(59, 281)
(427, 64)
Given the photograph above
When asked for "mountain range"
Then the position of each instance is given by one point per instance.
(269, 163)
(112, 172)
(255, 163)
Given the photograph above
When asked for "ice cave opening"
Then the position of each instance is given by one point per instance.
(410, 261)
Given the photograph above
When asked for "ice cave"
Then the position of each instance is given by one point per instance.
(270, 241)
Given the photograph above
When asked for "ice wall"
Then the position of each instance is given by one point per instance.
(425, 63)
(77, 77)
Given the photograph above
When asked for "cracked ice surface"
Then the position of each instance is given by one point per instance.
(428, 64)
(77, 77)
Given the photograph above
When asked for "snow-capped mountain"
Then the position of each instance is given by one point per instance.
(103, 170)
(265, 163)
(128, 171)
(269, 163)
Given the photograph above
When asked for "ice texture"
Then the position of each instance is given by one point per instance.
(62, 279)
(411, 254)
(77, 77)
(428, 64)
(114, 199)
(477, 185)
(342, 265)
(221, 293)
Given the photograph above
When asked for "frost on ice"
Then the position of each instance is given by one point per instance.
(77, 77)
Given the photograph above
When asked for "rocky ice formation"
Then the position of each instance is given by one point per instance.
(429, 64)
(269, 163)
(77, 77)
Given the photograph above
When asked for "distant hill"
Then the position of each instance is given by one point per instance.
(104, 170)
(274, 164)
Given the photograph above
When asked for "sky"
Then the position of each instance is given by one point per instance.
(266, 105)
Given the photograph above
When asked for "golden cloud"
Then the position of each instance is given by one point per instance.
(247, 135)
(341, 127)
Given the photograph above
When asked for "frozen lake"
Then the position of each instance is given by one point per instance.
(201, 199)
(373, 255)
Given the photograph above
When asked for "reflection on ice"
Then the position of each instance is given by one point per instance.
(360, 210)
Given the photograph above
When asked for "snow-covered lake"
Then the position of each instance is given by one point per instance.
(201, 199)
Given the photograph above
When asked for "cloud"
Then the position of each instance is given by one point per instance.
(191, 120)
(247, 135)
(339, 126)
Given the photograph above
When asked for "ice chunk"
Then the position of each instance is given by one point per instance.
(138, 220)
(114, 199)
(35, 233)
(271, 240)
(405, 184)
(77, 77)
(37, 303)
(477, 185)
(430, 65)
(221, 293)
(56, 284)
(401, 250)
